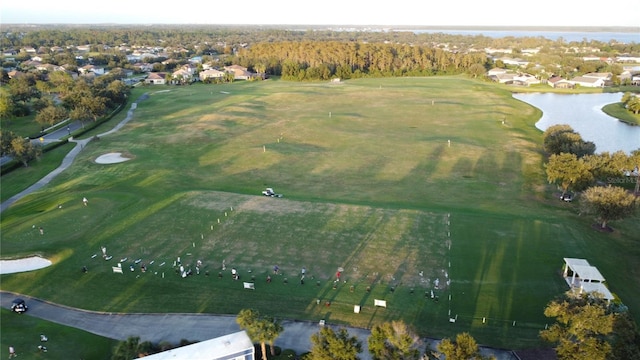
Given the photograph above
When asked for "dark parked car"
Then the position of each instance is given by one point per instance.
(18, 305)
(567, 197)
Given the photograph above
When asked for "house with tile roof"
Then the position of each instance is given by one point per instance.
(156, 78)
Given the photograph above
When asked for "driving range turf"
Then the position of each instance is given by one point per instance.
(403, 183)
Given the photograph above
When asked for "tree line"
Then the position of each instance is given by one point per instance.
(586, 327)
(310, 60)
(54, 99)
(109, 43)
(388, 341)
(574, 166)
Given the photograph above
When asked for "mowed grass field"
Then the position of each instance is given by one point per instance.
(403, 183)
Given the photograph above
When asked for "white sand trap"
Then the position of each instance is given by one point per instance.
(22, 265)
(111, 158)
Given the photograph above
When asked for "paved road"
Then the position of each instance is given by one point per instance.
(165, 327)
(193, 327)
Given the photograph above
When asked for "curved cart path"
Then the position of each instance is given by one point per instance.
(68, 160)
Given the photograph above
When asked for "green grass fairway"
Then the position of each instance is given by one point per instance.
(23, 333)
(403, 183)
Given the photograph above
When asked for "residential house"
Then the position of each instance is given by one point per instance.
(182, 76)
(235, 346)
(156, 78)
(496, 71)
(525, 80)
(83, 48)
(143, 67)
(211, 74)
(91, 68)
(505, 78)
(588, 81)
(628, 59)
(594, 79)
(607, 76)
(497, 51)
(530, 52)
(560, 83)
(591, 58)
(190, 68)
(240, 72)
(516, 61)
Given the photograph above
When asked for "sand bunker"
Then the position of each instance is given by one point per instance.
(22, 265)
(111, 158)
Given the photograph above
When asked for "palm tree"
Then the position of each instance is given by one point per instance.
(260, 329)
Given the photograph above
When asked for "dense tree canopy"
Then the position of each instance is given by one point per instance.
(563, 139)
(463, 348)
(394, 341)
(331, 345)
(260, 328)
(581, 330)
(608, 203)
(568, 171)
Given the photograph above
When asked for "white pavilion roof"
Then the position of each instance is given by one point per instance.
(584, 270)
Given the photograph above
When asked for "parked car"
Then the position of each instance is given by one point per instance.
(18, 305)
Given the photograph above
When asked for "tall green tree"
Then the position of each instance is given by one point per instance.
(632, 164)
(394, 341)
(606, 166)
(260, 328)
(330, 345)
(51, 115)
(568, 171)
(23, 150)
(608, 203)
(581, 328)
(562, 138)
(464, 347)
(625, 342)
(6, 104)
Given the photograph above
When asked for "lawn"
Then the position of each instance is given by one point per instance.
(403, 183)
(23, 333)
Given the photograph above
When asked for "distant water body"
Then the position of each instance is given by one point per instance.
(567, 36)
(583, 112)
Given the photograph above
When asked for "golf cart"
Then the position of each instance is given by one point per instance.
(269, 192)
(18, 305)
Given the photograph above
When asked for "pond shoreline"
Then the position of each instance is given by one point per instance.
(584, 112)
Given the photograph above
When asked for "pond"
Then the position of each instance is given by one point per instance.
(583, 112)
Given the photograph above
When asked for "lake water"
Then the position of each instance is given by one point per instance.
(567, 36)
(583, 112)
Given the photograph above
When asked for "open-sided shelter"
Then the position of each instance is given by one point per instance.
(582, 277)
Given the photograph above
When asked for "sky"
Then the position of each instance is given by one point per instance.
(325, 12)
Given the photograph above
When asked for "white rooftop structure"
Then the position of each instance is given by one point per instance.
(583, 277)
(236, 346)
